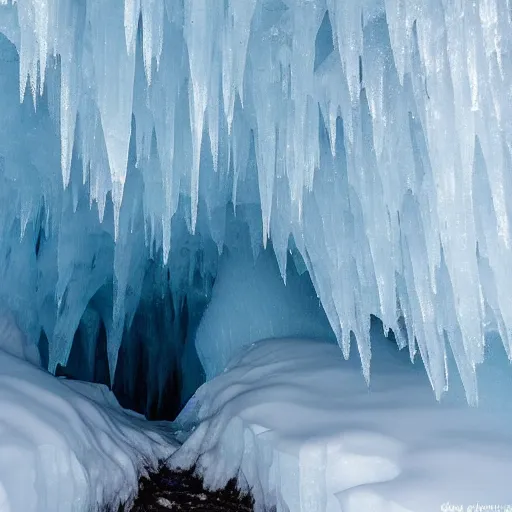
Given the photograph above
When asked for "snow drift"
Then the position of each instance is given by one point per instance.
(297, 426)
(67, 445)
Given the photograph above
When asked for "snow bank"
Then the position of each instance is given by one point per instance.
(66, 445)
(298, 425)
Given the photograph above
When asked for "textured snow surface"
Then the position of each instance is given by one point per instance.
(67, 445)
(298, 425)
(373, 136)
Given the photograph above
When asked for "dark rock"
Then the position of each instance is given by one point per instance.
(182, 491)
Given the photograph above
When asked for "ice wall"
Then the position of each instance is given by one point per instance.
(376, 135)
(251, 302)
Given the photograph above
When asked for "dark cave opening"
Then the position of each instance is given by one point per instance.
(158, 367)
(149, 373)
(157, 354)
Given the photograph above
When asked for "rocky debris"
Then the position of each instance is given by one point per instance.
(182, 491)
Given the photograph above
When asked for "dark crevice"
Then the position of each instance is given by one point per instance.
(184, 491)
(150, 370)
(324, 44)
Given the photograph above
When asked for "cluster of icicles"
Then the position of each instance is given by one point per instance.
(372, 137)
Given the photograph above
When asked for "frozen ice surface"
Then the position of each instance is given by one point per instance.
(373, 136)
(13, 341)
(250, 302)
(67, 445)
(297, 424)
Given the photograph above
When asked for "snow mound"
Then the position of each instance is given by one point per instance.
(298, 425)
(66, 445)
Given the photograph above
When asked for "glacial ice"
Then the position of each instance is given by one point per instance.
(374, 138)
(251, 302)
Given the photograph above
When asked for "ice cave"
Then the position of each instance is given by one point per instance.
(266, 244)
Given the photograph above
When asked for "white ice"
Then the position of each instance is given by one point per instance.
(296, 424)
(67, 445)
(373, 136)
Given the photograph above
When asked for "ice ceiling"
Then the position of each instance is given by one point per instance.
(370, 139)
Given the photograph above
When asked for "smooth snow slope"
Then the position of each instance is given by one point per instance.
(298, 425)
(67, 446)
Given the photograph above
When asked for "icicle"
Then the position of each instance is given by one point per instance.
(387, 164)
(200, 30)
(114, 94)
(69, 96)
(131, 20)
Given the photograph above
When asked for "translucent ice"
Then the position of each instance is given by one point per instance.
(374, 137)
(235, 318)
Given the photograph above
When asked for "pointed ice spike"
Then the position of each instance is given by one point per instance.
(234, 53)
(200, 33)
(69, 104)
(41, 18)
(113, 345)
(117, 199)
(213, 110)
(265, 155)
(399, 33)
(152, 33)
(147, 36)
(131, 21)
(346, 18)
(114, 90)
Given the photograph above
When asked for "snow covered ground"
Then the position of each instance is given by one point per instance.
(297, 424)
(66, 445)
(290, 418)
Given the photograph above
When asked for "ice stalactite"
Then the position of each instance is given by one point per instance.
(386, 161)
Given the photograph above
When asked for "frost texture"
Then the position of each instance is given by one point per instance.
(375, 135)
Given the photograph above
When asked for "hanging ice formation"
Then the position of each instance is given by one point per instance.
(380, 132)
